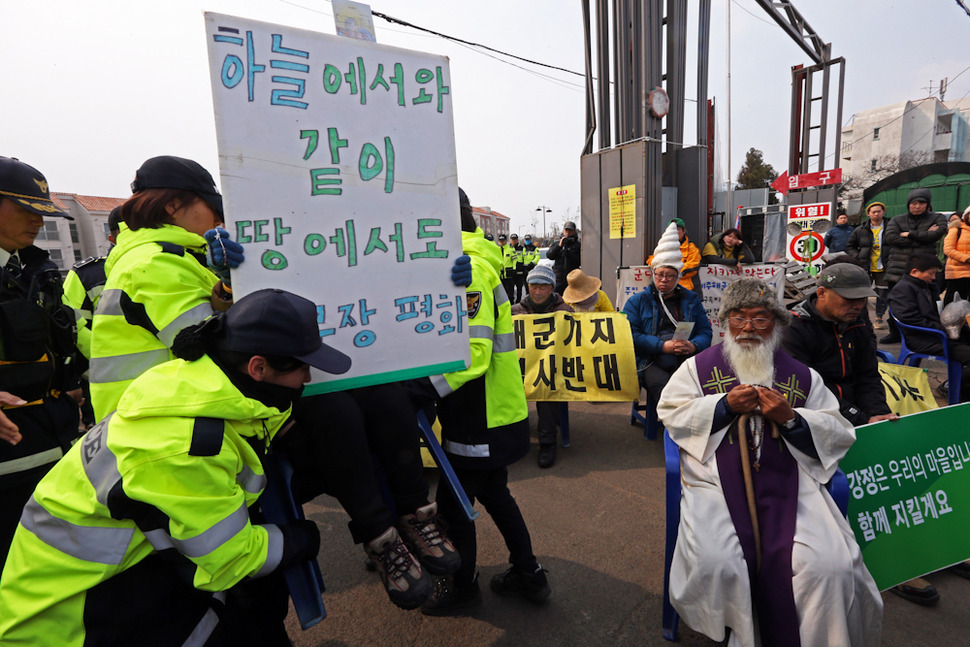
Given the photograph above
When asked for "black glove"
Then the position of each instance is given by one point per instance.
(421, 392)
(301, 540)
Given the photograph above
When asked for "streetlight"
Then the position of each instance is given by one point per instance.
(544, 212)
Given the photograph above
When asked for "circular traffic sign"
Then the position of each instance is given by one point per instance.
(797, 246)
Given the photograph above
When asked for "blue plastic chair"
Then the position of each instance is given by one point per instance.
(907, 357)
(885, 356)
(645, 414)
(838, 487)
(303, 579)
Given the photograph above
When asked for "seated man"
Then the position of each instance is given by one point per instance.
(913, 302)
(655, 313)
(764, 551)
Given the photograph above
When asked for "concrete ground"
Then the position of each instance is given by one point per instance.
(597, 522)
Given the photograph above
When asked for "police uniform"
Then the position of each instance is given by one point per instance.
(484, 417)
(82, 289)
(37, 349)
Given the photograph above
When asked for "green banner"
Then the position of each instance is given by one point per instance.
(909, 501)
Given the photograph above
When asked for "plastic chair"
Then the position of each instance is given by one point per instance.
(838, 487)
(303, 579)
(885, 356)
(648, 417)
(907, 357)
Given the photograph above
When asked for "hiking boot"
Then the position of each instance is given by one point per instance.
(446, 600)
(406, 584)
(515, 582)
(880, 324)
(425, 536)
(547, 455)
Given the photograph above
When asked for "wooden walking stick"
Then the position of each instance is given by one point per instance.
(748, 483)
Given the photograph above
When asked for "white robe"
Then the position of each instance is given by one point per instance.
(836, 599)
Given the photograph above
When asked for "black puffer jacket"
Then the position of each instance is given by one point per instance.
(920, 239)
(844, 355)
(860, 243)
(913, 302)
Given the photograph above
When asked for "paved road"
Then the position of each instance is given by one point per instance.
(597, 520)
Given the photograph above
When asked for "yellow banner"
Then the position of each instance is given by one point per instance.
(577, 356)
(907, 388)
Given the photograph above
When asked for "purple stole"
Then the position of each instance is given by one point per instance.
(776, 495)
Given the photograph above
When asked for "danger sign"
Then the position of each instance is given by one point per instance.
(813, 211)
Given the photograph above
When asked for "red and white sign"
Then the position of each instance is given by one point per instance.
(785, 183)
(815, 211)
(806, 245)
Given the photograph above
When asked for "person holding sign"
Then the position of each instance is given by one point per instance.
(668, 321)
(161, 274)
(540, 300)
(762, 547)
(142, 534)
(485, 428)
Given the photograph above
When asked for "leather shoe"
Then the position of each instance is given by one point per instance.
(547, 455)
(890, 339)
(962, 569)
(918, 591)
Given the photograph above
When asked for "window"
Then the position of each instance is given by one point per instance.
(57, 257)
(107, 230)
(875, 134)
(77, 256)
(49, 232)
(872, 166)
(74, 238)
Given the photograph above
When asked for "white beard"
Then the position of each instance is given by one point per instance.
(753, 364)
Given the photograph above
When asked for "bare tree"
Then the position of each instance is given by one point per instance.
(853, 186)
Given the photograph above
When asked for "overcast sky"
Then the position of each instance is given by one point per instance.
(92, 89)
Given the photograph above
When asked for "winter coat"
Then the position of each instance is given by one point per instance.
(843, 354)
(692, 260)
(554, 304)
(913, 302)
(956, 246)
(566, 256)
(920, 240)
(861, 242)
(644, 313)
(715, 252)
(836, 238)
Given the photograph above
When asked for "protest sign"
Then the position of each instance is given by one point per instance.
(585, 356)
(807, 223)
(337, 159)
(714, 279)
(630, 280)
(907, 388)
(909, 502)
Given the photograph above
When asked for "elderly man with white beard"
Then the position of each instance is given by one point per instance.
(762, 549)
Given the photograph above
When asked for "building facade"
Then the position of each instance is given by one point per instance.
(491, 222)
(71, 241)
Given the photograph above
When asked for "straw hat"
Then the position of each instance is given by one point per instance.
(581, 286)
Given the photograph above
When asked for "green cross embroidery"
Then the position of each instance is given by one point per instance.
(719, 381)
(791, 389)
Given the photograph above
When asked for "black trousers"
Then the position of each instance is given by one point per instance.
(490, 487)
(346, 443)
(509, 285)
(518, 281)
(548, 421)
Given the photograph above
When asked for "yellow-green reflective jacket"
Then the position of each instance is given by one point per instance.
(172, 470)
(484, 417)
(157, 285)
(82, 289)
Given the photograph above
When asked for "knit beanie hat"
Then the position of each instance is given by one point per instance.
(921, 194)
(541, 274)
(750, 292)
(875, 204)
(667, 253)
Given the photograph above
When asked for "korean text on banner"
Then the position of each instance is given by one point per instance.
(623, 211)
(714, 279)
(909, 493)
(630, 280)
(337, 159)
(577, 356)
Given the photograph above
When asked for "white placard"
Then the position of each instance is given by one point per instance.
(714, 279)
(337, 159)
(631, 280)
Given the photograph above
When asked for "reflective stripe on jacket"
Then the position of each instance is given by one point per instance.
(484, 416)
(155, 288)
(170, 470)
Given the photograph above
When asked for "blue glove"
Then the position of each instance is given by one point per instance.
(461, 271)
(223, 253)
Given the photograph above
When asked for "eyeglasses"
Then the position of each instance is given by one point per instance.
(665, 277)
(759, 323)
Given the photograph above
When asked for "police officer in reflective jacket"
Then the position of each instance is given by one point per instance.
(38, 420)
